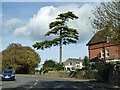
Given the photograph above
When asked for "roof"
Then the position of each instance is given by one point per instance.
(99, 37)
(75, 59)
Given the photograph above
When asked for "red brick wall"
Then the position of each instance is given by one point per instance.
(119, 51)
(95, 50)
(94, 53)
(113, 52)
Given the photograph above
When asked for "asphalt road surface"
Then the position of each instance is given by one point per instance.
(28, 82)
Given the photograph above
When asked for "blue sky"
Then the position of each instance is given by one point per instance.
(27, 22)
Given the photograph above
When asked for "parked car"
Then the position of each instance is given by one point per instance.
(8, 74)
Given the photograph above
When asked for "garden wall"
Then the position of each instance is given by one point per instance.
(57, 74)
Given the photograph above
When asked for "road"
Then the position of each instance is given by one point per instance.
(28, 82)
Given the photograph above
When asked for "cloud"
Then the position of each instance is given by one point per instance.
(12, 23)
(37, 26)
(1, 15)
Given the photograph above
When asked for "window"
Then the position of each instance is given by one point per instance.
(70, 63)
(7, 71)
(107, 52)
(77, 62)
(102, 54)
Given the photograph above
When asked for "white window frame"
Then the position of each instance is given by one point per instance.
(107, 52)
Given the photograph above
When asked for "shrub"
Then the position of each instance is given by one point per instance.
(78, 69)
(96, 65)
(47, 69)
(105, 70)
(49, 64)
(90, 74)
(79, 76)
(59, 67)
(40, 71)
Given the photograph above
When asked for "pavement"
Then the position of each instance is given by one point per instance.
(22, 81)
(95, 84)
(41, 81)
(0, 85)
(29, 82)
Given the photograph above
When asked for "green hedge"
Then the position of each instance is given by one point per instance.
(105, 70)
(47, 69)
(59, 67)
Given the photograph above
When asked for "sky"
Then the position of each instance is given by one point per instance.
(27, 23)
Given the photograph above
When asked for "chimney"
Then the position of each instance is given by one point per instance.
(79, 58)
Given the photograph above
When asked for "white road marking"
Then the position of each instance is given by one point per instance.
(92, 87)
(36, 82)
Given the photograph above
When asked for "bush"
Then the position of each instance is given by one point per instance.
(95, 66)
(68, 69)
(40, 71)
(79, 76)
(105, 70)
(59, 67)
(47, 69)
(90, 74)
(78, 69)
(49, 64)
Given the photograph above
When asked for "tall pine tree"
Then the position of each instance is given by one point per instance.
(65, 35)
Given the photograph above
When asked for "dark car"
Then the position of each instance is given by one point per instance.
(8, 74)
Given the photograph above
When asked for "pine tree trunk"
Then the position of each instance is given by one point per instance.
(60, 52)
(60, 49)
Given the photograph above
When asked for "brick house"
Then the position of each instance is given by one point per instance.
(100, 49)
(73, 63)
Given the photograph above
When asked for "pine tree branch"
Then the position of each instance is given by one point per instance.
(56, 23)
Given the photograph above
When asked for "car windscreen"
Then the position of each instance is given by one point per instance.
(7, 71)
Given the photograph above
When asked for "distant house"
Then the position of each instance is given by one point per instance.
(100, 49)
(72, 64)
